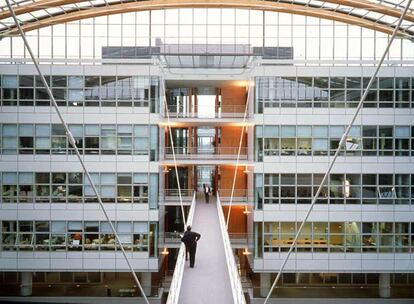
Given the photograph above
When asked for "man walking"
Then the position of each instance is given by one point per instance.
(207, 193)
(190, 240)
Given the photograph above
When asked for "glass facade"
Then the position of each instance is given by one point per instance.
(332, 92)
(205, 30)
(74, 187)
(350, 189)
(81, 91)
(323, 140)
(75, 236)
(333, 236)
(94, 139)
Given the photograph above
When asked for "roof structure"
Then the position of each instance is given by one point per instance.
(378, 15)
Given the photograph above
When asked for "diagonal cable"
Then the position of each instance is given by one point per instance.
(239, 151)
(340, 145)
(73, 143)
(173, 153)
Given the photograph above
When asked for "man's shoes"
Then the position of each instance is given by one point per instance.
(191, 266)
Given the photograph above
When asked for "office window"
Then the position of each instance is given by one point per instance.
(108, 91)
(59, 187)
(154, 150)
(108, 139)
(42, 139)
(124, 230)
(304, 141)
(402, 92)
(124, 186)
(58, 139)
(9, 235)
(59, 89)
(25, 239)
(320, 140)
(9, 136)
(74, 235)
(9, 187)
(402, 140)
(92, 88)
(91, 237)
(108, 187)
(77, 133)
(385, 140)
(271, 140)
(140, 188)
(353, 144)
(42, 185)
(288, 140)
(26, 139)
(92, 139)
(75, 91)
(124, 91)
(305, 92)
(25, 189)
(26, 90)
(42, 236)
(108, 240)
(10, 84)
(58, 236)
(75, 187)
(124, 138)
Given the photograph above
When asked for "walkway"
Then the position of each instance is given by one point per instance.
(208, 282)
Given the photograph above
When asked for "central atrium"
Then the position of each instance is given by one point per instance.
(281, 131)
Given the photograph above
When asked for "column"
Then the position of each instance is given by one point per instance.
(146, 282)
(26, 284)
(265, 284)
(384, 288)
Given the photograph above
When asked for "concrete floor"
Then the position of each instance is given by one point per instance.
(208, 282)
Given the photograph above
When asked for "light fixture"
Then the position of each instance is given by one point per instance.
(246, 211)
(165, 251)
(246, 252)
(246, 170)
(166, 170)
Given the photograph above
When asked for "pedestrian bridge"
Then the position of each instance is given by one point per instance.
(215, 277)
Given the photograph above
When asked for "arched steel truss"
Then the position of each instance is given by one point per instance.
(378, 15)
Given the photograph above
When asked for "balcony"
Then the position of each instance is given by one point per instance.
(240, 197)
(225, 111)
(206, 154)
(172, 197)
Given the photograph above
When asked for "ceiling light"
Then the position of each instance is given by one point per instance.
(246, 252)
(246, 211)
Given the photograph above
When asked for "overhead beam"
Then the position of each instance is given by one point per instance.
(35, 6)
(242, 4)
(362, 4)
(373, 7)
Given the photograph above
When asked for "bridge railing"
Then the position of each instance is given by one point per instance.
(235, 282)
(175, 286)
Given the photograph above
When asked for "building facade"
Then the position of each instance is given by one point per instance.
(254, 107)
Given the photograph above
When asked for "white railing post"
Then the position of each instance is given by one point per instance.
(175, 286)
(234, 276)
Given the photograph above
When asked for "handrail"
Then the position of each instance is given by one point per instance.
(235, 282)
(175, 286)
(224, 111)
(175, 193)
(209, 153)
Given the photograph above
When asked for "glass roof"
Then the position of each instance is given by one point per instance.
(32, 11)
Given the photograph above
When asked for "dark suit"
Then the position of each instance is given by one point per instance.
(190, 240)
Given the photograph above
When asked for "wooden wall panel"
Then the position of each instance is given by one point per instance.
(238, 220)
(226, 180)
(233, 99)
